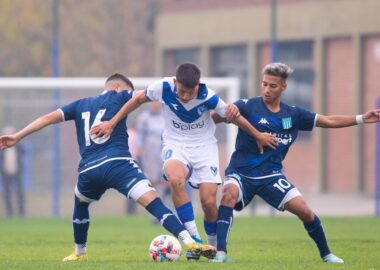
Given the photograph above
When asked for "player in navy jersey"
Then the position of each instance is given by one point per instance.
(190, 151)
(106, 163)
(251, 173)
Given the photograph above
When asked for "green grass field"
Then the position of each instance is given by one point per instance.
(122, 243)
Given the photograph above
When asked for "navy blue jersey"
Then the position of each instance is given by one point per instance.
(284, 124)
(90, 111)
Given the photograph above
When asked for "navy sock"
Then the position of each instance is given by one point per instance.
(81, 221)
(224, 223)
(315, 230)
(185, 212)
(165, 216)
(210, 227)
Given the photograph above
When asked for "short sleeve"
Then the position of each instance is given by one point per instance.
(127, 95)
(69, 110)
(241, 104)
(305, 119)
(221, 107)
(154, 90)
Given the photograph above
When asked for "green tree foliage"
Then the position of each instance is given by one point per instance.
(97, 37)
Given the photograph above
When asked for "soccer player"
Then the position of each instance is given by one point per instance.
(190, 151)
(250, 173)
(106, 163)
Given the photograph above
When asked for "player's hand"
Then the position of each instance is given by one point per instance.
(232, 112)
(103, 130)
(7, 141)
(372, 116)
(266, 139)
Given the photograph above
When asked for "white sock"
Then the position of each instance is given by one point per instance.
(221, 253)
(211, 240)
(80, 248)
(191, 227)
(185, 237)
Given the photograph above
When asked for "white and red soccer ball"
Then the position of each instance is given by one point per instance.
(165, 248)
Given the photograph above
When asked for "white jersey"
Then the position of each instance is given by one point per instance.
(187, 124)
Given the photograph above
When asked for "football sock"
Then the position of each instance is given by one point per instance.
(80, 248)
(185, 237)
(315, 230)
(81, 222)
(223, 227)
(165, 216)
(210, 228)
(186, 215)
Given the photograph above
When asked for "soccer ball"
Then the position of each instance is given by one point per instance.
(165, 248)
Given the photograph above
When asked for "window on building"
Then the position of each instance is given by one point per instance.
(298, 55)
(173, 58)
(230, 61)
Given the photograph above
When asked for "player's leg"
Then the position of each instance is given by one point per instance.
(230, 196)
(20, 195)
(176, 173)
(283, 195)
(127, 178)
(89, 188)
(81, 223)
(207, 195)
(7, 192)
(205, 161)
(147, 196)
(313, 227)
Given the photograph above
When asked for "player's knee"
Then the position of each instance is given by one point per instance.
(176, 182)
(306, 215)
(209, 204)
(229, 196)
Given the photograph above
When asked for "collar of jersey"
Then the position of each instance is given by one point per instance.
(202, 92)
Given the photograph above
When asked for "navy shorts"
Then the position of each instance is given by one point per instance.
(121, 175)
(275, 189)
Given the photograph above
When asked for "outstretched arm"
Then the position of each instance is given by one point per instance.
(105, 128)
(341, 121)
(41, 122)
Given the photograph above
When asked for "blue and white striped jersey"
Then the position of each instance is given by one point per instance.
(284, 124)
(188, 124)
(91, 111)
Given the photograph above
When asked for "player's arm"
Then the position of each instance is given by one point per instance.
(41, 122)
(262, 138)
(105, 128)
(341, 121)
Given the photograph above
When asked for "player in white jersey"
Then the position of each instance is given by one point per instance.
(106, 163)
(190, 151)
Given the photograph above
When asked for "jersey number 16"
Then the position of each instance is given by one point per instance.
(97, 121)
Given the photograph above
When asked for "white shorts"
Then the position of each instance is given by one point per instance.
(202, 161)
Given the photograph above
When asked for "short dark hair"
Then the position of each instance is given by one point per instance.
(120, 77)
(278, 70)
(188, 74)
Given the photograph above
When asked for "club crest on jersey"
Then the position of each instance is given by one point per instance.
(201, 110)
(214, 170)
(286, 123)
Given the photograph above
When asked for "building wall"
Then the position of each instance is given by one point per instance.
(371, 93)
(340, 100)
(346, 59)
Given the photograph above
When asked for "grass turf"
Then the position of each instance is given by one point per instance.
(122, 243)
